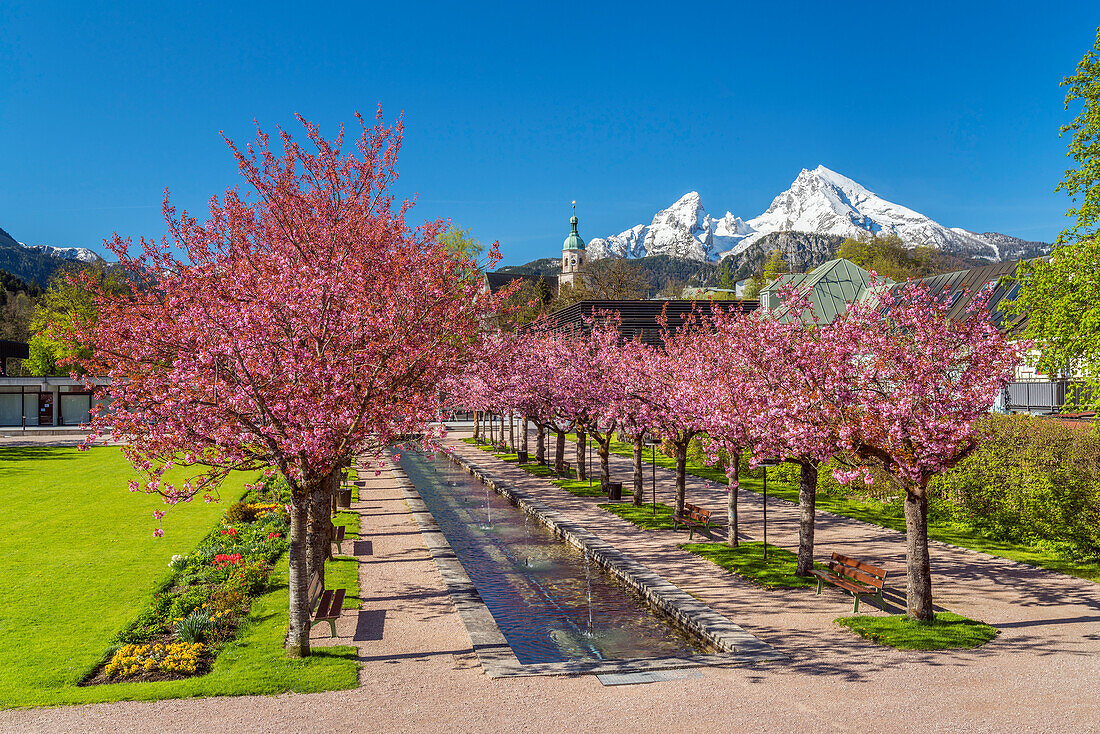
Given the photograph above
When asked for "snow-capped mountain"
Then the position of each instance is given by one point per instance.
(820, 202)
(82, 254)
(38, 263)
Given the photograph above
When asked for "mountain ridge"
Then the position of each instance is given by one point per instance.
(819, 202)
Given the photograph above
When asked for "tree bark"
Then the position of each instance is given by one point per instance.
(603, 450)
(918, 584)
(559, 450)
(511, 432)
(734, 490)
(581, 445)
(639, 488)
(807, 499)
(540, 444)
(681, 474)
(319, 523)
(297, 641)
(523, 436)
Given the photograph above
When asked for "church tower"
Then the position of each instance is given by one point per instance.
(572, 255)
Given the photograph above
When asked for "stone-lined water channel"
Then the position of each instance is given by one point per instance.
(550, 601)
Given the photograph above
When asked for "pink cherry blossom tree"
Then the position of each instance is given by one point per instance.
(301, 323)
(922, 382)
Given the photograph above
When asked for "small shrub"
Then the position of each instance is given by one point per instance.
(187, 602)
(251, 578)
(227, 600)
(240, 512)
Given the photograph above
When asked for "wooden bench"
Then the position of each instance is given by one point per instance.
(325, 605)
(337, 533)
(693, 517)
(855, 577)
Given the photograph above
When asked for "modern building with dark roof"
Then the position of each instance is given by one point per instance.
(642, 318)
(960, 287)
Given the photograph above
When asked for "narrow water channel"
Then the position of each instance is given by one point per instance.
(551, 602)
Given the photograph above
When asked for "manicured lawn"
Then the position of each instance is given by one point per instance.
(643, 516)
(81, 563)
(747, 560)
(948, 631)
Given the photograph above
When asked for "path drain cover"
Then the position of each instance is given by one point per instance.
(648, 676)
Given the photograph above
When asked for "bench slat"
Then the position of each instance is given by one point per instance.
(337, 605)
(315, 589)
(323, 605)
(861, 565)
(854, 573)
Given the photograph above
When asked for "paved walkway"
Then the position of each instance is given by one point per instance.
(419, 673)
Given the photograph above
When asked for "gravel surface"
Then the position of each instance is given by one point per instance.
(418, 672)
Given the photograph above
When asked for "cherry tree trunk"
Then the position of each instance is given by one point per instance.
(639, 488)
(918, 584)
(681, 475)
(581, 445)
(603, 450)
(523, 436)
(559, 450)
(511, 432)
(319, 523)
(477, 425)
(540, 444)
(734, 489)
(807, 500)
(297, 641)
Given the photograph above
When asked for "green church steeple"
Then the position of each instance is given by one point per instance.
(573, 241)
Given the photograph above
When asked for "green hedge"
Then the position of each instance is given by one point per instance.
(1035, 480)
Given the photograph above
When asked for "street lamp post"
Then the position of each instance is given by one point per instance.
(653, 464)
(765, 464)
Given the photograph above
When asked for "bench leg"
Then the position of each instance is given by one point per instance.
(339, 546)
(332, 624)
(881, 601)
(819, 586)
(691, 533)
(856, 608)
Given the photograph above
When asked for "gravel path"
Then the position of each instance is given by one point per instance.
(419, 674)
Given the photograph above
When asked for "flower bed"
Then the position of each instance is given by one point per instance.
(207, 596)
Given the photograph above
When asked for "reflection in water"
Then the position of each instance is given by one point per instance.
(549, 600)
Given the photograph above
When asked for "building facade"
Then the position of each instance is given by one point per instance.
(30, 402)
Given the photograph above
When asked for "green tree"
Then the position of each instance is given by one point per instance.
(774, 266)
(461, 241)
(69, 296)
(725, 274)
(885, 255)
(1060, 295)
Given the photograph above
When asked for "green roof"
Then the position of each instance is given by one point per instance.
(831, 287)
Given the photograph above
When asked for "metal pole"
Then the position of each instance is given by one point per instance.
(588, 467)
(765, 513)
(653, 463)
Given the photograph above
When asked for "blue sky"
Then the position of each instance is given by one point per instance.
(511, 112)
